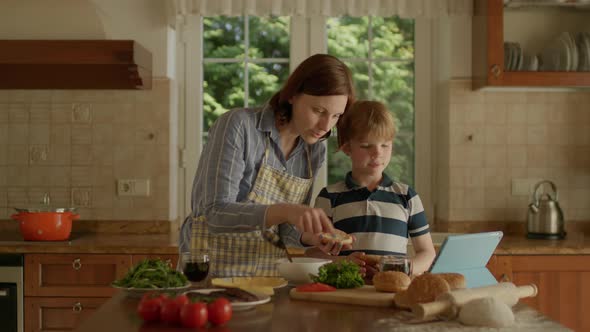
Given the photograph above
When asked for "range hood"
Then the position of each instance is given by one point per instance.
(74, 64)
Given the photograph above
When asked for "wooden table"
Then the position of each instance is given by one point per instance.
(284, 314)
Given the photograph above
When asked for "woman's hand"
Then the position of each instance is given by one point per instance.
(327, 246)
(303, 217)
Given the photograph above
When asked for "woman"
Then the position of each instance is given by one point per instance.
(254, 179)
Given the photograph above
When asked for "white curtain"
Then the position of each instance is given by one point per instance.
(402, 8)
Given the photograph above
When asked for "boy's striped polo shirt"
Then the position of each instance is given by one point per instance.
(382, 220)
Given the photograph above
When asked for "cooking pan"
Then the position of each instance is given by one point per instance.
(45, 223)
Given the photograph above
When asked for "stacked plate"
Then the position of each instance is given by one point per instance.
(567, 53)
(584, 51)
(515, 58)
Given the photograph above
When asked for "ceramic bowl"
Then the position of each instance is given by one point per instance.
(298, 271)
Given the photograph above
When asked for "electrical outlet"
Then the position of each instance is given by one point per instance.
(524, 187)
(133, 187)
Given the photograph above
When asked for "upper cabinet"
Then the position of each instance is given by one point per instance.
(74, 64)
(518, 45)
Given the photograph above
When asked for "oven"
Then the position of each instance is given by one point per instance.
(11, 292)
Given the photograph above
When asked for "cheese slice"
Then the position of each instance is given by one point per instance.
(264, 285)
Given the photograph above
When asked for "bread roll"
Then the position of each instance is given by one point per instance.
(426, 288)
(455, 280)
(341, 238)
(391, 281)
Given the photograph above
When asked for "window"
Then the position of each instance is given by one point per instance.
(245, 61)
(242, 61)
(380, 54)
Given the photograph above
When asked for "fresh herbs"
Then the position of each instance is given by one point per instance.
(342, 274)
(152, 273)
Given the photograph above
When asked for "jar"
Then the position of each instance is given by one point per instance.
(396, 263)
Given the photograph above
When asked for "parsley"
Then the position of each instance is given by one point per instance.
(343, 274)
(152, 273)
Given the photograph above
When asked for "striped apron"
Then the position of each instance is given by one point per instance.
(253, 253)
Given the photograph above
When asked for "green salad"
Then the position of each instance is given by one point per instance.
(343, 274)
(152, 273)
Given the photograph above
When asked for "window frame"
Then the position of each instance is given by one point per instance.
(308, 36)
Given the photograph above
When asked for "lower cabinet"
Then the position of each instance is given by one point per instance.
(62, 289)
(58, 314)
(563, 282)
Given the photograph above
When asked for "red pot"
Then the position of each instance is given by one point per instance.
(53, 225)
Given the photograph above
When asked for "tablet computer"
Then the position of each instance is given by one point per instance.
(468, 254)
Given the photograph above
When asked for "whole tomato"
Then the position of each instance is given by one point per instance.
(220, 311)
(149, 309)
(194, 314)
(170, 312)
(181, 299)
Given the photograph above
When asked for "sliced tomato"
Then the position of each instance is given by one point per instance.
(315, 287)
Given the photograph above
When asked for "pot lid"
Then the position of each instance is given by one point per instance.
(45, 206)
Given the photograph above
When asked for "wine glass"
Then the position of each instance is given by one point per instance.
(194, 265)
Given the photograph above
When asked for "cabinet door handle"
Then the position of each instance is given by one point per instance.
(496, 71)
(77, 307)
(77, 264)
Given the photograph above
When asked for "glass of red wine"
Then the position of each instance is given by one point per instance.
(195, 266)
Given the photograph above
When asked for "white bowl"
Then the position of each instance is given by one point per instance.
(298, 271)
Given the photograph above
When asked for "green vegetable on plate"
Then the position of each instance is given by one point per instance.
(152, 273)
(342, 274)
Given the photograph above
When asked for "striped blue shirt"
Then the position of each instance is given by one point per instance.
(381, 220)
(228, 167)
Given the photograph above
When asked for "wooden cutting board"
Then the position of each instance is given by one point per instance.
(366, 295)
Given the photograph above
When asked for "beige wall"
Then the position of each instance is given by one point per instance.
(516, 134)
(496, 136)
(141, 20)
(75, 144)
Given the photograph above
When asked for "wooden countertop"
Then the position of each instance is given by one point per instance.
(284, 314)
(573, 244)
(161, 237)
(106, 243)
(102, 243)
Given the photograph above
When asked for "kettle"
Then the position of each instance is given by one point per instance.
(545, 218)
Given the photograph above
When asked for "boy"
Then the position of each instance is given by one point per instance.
(379, 212)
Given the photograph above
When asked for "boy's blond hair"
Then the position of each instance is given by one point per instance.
(365, 118)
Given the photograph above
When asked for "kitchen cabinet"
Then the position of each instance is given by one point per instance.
(489, 34)
(59, 314)
(61, 290)
(563, 282)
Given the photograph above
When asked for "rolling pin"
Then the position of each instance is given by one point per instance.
(447, 305)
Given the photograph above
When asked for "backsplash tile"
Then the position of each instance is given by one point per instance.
(505, 135)
(75, 144)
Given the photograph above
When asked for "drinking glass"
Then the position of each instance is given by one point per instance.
(396, 263)
(195, 266)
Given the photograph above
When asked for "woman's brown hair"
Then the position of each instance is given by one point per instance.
(366, 117)
(318, 75)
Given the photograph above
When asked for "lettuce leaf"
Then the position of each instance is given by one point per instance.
(342, 274)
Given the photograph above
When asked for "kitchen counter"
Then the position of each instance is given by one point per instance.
(284, 314)
(573, 244)
(89, 243)
(105, 243)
